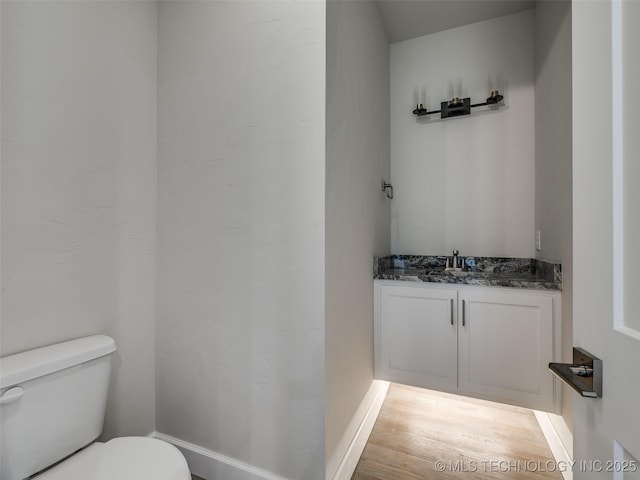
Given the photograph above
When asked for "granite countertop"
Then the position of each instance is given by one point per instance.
(484, 271)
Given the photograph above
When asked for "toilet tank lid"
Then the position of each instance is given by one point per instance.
(25, 366)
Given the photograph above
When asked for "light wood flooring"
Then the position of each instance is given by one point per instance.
(422, 434)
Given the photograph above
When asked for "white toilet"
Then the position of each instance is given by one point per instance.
(52, 404)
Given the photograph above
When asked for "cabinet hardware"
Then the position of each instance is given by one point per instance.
(463, 313)
(452, 311)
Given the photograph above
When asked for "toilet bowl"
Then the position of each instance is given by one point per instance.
(52, 404)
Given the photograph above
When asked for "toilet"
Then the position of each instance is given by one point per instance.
(52, 405)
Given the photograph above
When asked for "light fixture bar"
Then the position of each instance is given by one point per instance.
(457, 109)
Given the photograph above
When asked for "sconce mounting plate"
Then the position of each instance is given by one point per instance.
(447, 110)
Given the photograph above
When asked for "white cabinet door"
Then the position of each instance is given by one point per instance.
(417, 337)
(505, 342)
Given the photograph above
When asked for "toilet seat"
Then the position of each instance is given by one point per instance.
(123, 458)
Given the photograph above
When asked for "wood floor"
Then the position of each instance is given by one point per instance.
(422, 434)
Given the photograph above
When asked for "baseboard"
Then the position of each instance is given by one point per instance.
(211, 465)
(343, 461)
(560, 440)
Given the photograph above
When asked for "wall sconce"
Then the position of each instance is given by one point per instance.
(494, 98)
(458, 106)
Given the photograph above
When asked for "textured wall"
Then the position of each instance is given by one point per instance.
(79, 187)
(465, 183)
(357, 212)
(240, 356)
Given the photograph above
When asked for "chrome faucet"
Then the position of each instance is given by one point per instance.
(455, 264)
(455, 259)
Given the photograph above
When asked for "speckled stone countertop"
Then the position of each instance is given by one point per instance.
(485, 271)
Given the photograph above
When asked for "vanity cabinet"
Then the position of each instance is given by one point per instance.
(418, 334)
(485, 342)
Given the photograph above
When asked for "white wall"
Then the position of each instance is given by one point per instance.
(465, 183)
(553, 158)
(357, 212)
(240, 353)
(79, 187)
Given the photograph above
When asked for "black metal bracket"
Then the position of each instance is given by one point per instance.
(584, 375)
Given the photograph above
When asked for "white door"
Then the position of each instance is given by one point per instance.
(606, 231)
(418, 343)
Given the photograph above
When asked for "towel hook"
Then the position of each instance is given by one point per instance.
(386, 186)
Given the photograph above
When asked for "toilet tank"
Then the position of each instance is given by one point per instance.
(52, 403)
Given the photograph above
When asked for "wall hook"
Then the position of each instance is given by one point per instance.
(388, 186)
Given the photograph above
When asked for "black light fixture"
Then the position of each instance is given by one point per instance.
(458, 106)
